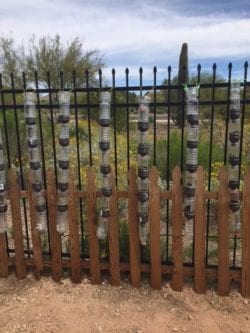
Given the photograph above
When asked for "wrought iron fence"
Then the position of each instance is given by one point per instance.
(167, 136)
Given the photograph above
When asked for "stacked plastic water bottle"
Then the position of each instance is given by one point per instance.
(104, 145)
(63, 162)
(143, 151)
(3, 194)
(191, 157)
(234, 149)
(35, 160)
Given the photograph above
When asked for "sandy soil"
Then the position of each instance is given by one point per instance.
(45, 306)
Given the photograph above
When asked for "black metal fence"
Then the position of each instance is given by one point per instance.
(167, 136)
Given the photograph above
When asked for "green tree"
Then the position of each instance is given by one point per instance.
(48, 54)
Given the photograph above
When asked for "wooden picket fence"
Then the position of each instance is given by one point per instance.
(177, 272)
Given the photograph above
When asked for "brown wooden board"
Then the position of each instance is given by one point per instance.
(245, 283)
(199, 235)
(75, 259)
(155, 239)
(223, 234)
(35, 234)
(113, 236)
(4, 269)
(14, 196)
(177, 276)
(95, 271)
(55, 239)
(134, 242)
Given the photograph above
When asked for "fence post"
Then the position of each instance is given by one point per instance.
(95, 272)
(75, 260)
(223, 234)
(199, 235)
(35, 234)
(4, 270)
(155, 239)
(55, 239)
(14, 195)
(134, 243)
(177, 276)
(245, 232)
(113, 235)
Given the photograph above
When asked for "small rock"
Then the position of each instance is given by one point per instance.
(245, 301)
(165, 295)
(99, 329)
(212, 302)
(138, 331)
(190, 317)
(175, 329)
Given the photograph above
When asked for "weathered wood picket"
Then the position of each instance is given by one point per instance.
(176, 272)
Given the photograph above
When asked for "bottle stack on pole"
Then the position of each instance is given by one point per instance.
(3, 194)
(143, 184)
(192, 105)
(63, 162)
(104, 145)
(234, 150)
(35, 159)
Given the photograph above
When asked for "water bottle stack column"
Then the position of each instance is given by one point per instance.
(3, 194)
(63, 162)
(35, 159)
(234, 150)
(192, 105)
(104, 145)
(143, 183)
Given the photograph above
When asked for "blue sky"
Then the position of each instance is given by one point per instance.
(140, 33)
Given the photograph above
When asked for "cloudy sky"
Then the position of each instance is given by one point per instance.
(140, 33)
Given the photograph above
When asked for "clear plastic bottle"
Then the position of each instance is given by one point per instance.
(3, 213)
(102, 228)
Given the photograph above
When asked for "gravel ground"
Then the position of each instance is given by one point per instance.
(46, 306)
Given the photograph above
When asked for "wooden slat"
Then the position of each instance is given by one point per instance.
(134, 242)
(223, 234)
(75, 259)
(14, 195)
(95, 271)
(35, 234)
(177, 277)
(245, 283)
(113, 236)
(55, 239)
(4, 270)
(155, 239)
(199, 235)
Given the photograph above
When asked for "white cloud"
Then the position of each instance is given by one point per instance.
(139, 34)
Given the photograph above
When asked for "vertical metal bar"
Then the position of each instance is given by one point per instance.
(199, 73)
(115, 131)
(42, 150)
(52, 125)
(183, 122)
(168, 159)
(19, 151)
(154, 110)
(127, 113)
(210, 157)
(78, 162)
(6, 141)
(243, 114)
(89, 122)
(5, 123)
(227, 115)
(40, 129)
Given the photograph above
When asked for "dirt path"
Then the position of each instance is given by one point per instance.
(45, 306)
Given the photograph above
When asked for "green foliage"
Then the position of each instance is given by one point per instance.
(48, 54)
